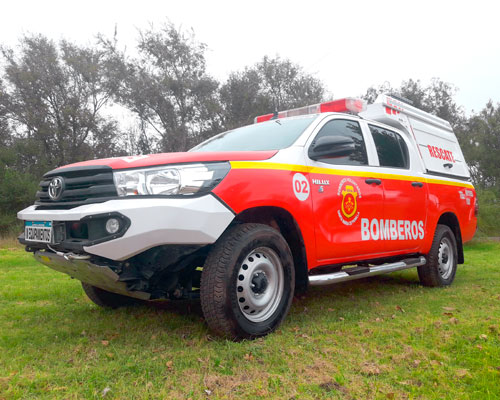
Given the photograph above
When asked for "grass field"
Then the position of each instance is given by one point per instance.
(384, 338)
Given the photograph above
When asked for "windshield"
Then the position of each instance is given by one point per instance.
(271, 135)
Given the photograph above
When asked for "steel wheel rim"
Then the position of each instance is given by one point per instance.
(260, 284)
(445, 258)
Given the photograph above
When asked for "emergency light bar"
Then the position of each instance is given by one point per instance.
(349, 104)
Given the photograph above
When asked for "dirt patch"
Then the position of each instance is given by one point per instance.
(331, 386)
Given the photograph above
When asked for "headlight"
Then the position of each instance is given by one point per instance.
(170, 180)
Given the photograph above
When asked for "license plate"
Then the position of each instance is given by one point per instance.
(38, 231)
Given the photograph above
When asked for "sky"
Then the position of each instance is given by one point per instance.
(348, 45)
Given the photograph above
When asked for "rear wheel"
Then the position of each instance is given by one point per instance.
(106, 299)
(247, 282)
(441, 264)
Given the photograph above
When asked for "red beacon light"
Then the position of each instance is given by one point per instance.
(347, 105)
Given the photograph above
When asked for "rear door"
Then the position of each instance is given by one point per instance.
(405, 205)
(344, 193)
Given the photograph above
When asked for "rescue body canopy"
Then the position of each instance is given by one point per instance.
(432, 136)
(437, 144)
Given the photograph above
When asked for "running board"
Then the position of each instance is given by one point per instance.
(350, 274)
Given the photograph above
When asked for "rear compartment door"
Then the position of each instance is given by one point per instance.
(440, 149)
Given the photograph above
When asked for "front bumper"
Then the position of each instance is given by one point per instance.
(153, 222)
(86, 271)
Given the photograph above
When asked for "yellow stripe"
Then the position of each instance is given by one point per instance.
(340, 172)
(450, 183)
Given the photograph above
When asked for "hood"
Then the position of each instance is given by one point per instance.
(174, 158)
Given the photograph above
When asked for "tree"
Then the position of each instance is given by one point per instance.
(270, 85)
(374, 91)
(17, 188)
(483, 138)
(5, 132)
(168, 88)
(440, 100)
(54, 97)
(242, 98)
(437, 98)
(287, 85)
(17, 191)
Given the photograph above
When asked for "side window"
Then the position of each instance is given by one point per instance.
(343, 127)
(391, 148)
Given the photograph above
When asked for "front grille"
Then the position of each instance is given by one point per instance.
(82, 185)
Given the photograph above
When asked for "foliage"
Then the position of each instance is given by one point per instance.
(5, 132)
(242, 98)
(16, 192)
(53, 97)
(385, 337)
(270, 85)
(489, 212)
(482, 139)
(168, 88)
(437, 98)
(287, 85)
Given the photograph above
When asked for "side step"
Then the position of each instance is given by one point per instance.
(350, 274)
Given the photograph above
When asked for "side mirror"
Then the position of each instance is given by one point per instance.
(331, 146)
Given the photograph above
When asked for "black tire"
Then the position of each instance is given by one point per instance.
(106, 299)
(441, 265)
(246, 255)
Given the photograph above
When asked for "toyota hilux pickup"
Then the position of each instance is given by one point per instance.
(321, 194)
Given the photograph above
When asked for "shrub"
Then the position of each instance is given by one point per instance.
(489, 213)
(17, 190)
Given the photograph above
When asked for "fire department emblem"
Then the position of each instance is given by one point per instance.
(349, 194)
(349, 205)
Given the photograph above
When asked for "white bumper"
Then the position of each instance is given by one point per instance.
(154, 222)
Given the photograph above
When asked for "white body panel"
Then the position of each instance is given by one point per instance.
(437, 144)
(154, 222)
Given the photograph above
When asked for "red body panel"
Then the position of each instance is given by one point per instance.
(338, 235)
(405, 202)
(243, 189)
(175, 158)
(327, 239)
(457, 200)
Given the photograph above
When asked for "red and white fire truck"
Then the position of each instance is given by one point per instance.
(311, 196)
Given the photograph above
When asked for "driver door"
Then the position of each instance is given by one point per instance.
(344, 195)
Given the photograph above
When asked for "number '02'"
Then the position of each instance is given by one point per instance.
(300, 186)
(300, 189)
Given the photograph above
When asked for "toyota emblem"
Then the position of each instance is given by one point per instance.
(56, 188)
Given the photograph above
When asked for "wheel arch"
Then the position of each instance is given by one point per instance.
(284, 222)
(450, 219)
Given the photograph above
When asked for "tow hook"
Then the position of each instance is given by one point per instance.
(69, 256)
(73, 256)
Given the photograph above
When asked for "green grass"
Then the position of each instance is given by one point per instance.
(385, 337)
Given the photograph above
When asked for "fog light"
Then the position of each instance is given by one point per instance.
(112, 225)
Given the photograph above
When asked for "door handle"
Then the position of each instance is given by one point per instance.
(369, 181)
(417, 184)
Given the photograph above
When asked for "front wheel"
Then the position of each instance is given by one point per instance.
(106, 299)
(441, 264)
(247, 282)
